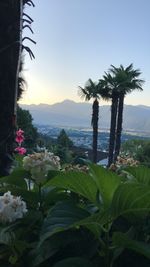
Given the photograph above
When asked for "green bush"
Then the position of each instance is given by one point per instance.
(139, 150)
(78, 219)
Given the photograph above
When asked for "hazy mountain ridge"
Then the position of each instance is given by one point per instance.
(70, 113)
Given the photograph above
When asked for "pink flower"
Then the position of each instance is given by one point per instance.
(19, 136)
(20, 150)
(19, 139)
(20, 132)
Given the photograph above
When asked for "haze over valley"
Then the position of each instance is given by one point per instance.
(72, 114)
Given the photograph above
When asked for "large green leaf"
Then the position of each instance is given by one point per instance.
(62, 216)
(131, 199)
(78, 243)
(51, 195)
(77, 182)
(141, 174)
(106, 181)
(121, 240)
(74, 262)
(51, 174)
(96, 222)
(65, 215)
(41, 254)
(17, 177)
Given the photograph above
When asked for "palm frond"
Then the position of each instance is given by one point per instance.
(89, 91)
(126, 79)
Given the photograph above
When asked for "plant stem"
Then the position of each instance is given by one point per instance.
(40, 196)
(29, 184)
(107, 263)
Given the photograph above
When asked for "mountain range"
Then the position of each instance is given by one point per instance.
(71, 114)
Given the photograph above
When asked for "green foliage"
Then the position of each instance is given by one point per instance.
(74, 262)
(131, 199)
(63, 139)
(63, 147)
(143, 155)
(78, 219)
(44, 140)
(132, 147)
(138, 149)
(24, 121)
(64, 153)
(112, 199)
(106, 181)
(140, 174)
(122, 240)
(68, 214)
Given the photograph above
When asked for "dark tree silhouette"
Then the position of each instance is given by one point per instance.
(111, 88)
(119, 82)
(127, 80)
(11, 24)
(63, 139)
(93, 91)
(9, 54)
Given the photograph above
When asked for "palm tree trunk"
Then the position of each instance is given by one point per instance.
(119, 126)
(9, 53)
(114, 107)
(95, 128)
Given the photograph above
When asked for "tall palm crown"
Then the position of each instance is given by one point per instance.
(89, 91)
(92, 91)
(127, 80)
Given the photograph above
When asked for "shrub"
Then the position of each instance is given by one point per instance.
(75, 218)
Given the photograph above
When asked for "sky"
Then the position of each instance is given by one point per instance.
(80, 39)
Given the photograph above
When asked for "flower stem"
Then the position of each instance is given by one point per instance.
(40, 196)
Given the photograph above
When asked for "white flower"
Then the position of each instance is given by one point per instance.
(40, 163)
(11, 208)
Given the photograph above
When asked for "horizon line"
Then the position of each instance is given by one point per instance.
(70, 100)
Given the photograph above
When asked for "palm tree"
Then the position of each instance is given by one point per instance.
(111, 91)
(92, 91)
(127, 80)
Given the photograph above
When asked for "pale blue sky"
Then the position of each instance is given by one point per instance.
(80, 39)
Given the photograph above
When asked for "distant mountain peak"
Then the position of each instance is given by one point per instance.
(68, 101)
(70, 113)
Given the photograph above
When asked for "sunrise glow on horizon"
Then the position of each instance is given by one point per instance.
(75, 42)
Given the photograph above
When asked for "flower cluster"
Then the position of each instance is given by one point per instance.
(77, 167)
(11, 208)
(40, 163)
(127, 161)
(19, 139)
(122, 162)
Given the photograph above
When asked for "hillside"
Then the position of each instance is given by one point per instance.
(72, 114)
